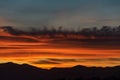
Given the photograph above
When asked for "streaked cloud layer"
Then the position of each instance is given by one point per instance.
(60, 12)
(72, 60)
(49, 54)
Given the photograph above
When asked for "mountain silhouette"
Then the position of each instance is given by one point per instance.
(12, 71)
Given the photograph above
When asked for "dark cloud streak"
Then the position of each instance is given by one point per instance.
(45, 62)
(69, 60)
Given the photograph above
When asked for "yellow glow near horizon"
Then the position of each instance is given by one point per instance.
(37, 54)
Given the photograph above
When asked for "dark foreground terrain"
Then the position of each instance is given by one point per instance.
(12, 71)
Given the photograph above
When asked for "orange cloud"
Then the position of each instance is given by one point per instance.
(49, 55)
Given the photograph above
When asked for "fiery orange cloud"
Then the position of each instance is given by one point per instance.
(39, 54)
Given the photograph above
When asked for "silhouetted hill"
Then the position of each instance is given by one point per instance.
(12, 71)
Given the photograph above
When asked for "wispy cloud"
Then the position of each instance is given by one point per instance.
(45, 62)
(113, 59)
(62, 60)
(75, 60)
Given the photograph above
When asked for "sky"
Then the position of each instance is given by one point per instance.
(54, 13)
(67, 13)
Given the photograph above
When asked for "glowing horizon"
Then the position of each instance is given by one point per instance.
(48, 55)
(47, 52)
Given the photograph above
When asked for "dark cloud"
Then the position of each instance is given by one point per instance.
(67, 60)
(113, 59)
(54, 61)
(45, 62)
(79, 59)
(98, 60)
(17, 39)
(62, 60)
(103, 59)
(75, 60)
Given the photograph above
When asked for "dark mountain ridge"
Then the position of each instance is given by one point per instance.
(12, 71)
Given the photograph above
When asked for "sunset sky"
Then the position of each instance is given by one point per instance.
(67, 13)
(60, 54)
(70, 14)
